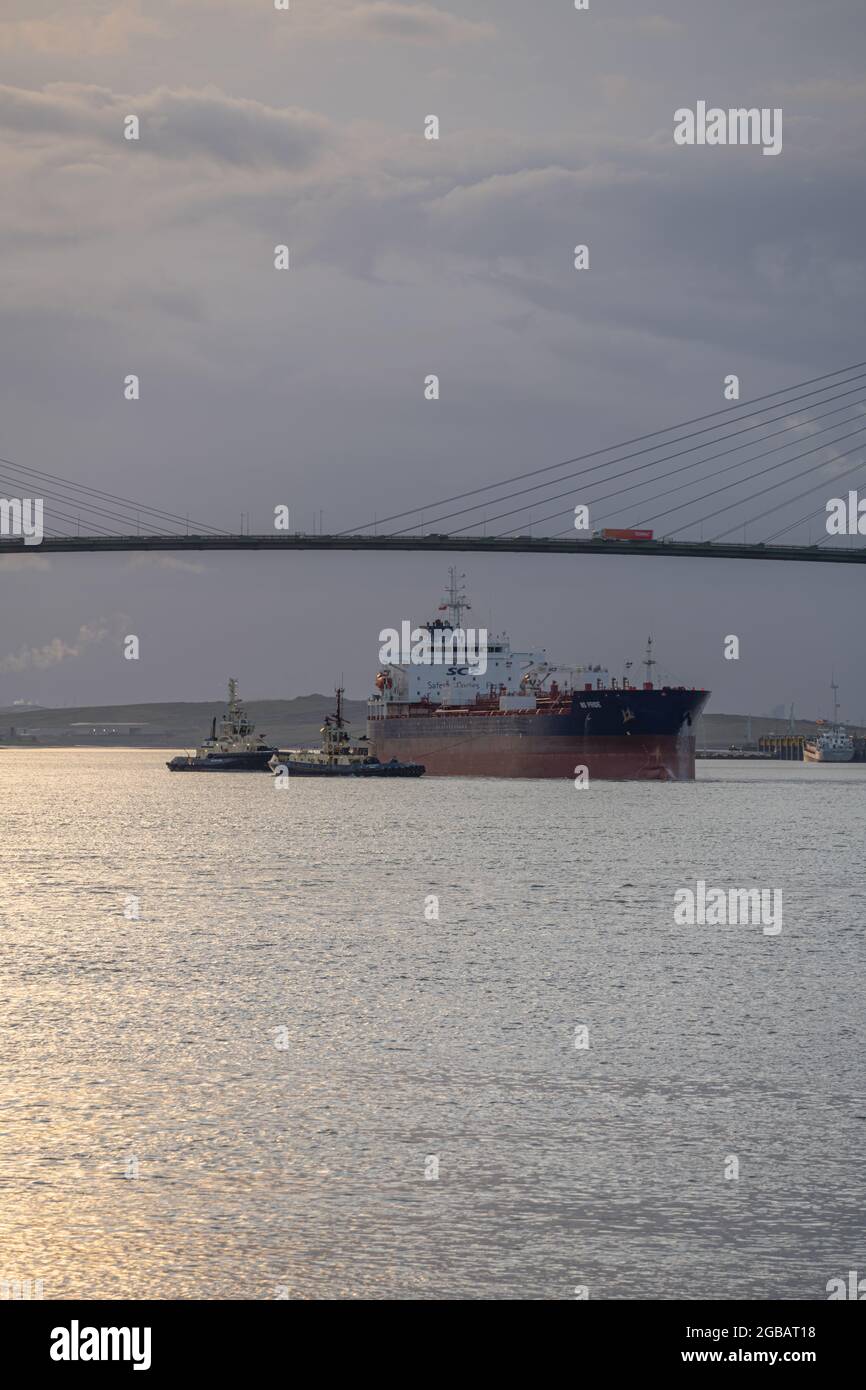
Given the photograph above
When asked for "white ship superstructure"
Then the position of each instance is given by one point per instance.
(451, 675)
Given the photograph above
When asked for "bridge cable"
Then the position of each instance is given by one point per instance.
(730, 467)
(810, 516)
(88, 507)
(638, 439)
(112, 497)
(695, 463)
(751, 498)
(53, 512)
(823, 483)
(652, 463)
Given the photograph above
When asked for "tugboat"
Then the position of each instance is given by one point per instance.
(236, 747)
(338, 755)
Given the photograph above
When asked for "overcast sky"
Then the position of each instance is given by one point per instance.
(410, 257)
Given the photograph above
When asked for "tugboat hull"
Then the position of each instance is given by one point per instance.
(311, 769)
(232, 762)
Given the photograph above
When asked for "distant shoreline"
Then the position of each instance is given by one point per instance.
(174, 726)
(169, 751)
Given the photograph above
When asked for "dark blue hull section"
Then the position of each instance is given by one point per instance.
(301, 769)
(229, 762)
(615, 713)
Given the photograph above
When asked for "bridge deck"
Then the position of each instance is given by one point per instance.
(543, 545)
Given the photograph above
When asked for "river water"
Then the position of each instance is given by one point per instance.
(238, 1045)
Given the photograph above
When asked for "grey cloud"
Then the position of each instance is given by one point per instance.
(75, 29)
(157, 561)
(415, 22)
(652, 25)
(238, 131)
(25, 563)
(174, 124)
(420, 23)
(504, 211)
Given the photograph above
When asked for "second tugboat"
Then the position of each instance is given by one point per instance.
(338, 755)
(236, 747)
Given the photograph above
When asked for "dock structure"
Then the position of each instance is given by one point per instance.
(783, 747)
(789, 747)
(733, 754)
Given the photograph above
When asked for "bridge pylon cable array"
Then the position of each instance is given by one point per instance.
(641, 467)
(127, 511)
(811, 420)
(722, 453)
(732, 413)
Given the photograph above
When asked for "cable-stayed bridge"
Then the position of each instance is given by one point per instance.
(753, 481)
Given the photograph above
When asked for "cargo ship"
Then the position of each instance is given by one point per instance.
(523, 717)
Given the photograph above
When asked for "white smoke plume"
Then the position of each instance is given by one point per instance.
(53, 652)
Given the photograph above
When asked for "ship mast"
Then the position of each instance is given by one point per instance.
(456, 599)
(649, 662)
(835, 689)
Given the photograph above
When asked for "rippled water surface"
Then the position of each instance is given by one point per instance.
(281, 1041)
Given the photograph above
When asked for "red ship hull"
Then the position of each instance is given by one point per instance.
(640, 757)
(616, 733)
